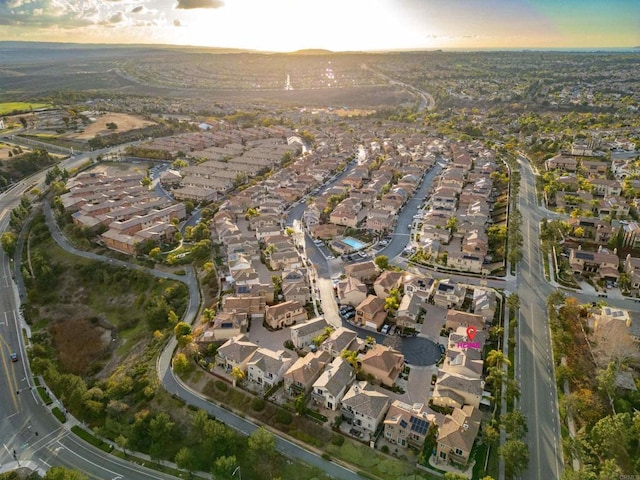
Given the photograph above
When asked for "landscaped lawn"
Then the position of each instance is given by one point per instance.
(370, 461)
(8, 107)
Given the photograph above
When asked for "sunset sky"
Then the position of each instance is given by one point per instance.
(339, 25)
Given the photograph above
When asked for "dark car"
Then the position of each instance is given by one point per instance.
(442, 348)
(14, 357)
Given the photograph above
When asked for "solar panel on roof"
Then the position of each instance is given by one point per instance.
(419, 425)
(584, 255)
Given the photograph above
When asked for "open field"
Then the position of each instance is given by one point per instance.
(8, 151)
(124, 122)
(11, 107)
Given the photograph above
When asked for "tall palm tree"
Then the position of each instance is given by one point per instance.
(496, 358)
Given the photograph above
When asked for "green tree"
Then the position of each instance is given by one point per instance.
(515, 424)
(182, 331)
(122, 442)
(382, 262)
(162, 433)
(262, 449)
(611, 435)
(181, 364)
(515, 454)
(186, 460)
(224, 466)
(9, 242)
(454, 476)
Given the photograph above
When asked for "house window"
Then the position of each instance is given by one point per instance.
(443, 455)
(458, 451)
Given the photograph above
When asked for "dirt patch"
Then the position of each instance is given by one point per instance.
(8, 151)
(79, 342)
(124, 122)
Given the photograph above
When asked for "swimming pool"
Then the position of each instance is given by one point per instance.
(353, 243)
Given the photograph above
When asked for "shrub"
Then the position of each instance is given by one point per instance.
(220, 385)
(258, 404)
(385, 449)
(326, 456)
(337, 440)
(284, 417)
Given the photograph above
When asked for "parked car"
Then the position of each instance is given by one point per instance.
(385, 329)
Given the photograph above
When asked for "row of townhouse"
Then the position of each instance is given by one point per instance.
(130, 213)
(417, 293)
(464, 191)
(375, 192)
(459, 385)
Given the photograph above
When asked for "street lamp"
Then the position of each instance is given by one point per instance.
(239, 472)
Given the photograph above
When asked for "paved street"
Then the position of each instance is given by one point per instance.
(534, 361)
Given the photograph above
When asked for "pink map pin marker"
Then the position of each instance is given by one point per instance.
(471, 333)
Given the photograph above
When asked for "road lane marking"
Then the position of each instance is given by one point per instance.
(9, 373)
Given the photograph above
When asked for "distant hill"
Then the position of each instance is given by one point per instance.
(312, 51)
(29, 52)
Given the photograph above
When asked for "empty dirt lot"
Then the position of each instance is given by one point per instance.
(124, 122)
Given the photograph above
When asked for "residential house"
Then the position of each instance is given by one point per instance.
(351, 291)
(448, 295)
(224, 326)
(384, 363)
(484, 303)
(605, 188)
(632, 269)
(631, 234)
(235, 352)
(468, 262)
(562, 162)
(253, 306)
(463, 362)
(348, 213)
(455, 390)
(601, 264)
(418, 285)
(366, 272)
(302, 335)
(387, 281)
(589, 228)
(285, 259)
(296, 292)
(407, 425)
(341, 339)
(614, 207)
(594, 168)
(457, 436)
(410, 311)
(332, 384)
(299, 378)
(456, 318)
(285, 314)
(364, 407)
(370, 313)
(266, 367)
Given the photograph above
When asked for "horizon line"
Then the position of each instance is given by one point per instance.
(328, 51)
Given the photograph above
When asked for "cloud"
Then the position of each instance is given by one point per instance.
(63, 14)
(189, 4)
(137, 9)
(176, 23)
(117, 17)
